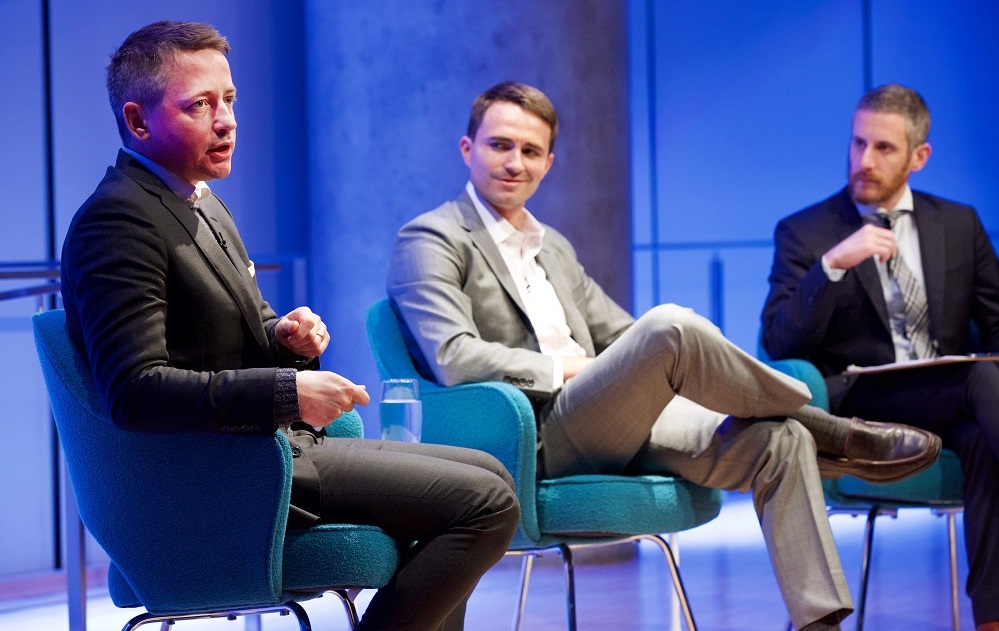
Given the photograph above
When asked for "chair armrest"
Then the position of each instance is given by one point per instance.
(493, 417)
(348, 425)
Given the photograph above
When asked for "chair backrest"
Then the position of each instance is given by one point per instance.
(388, 345)
(493, 417)
(190, 520)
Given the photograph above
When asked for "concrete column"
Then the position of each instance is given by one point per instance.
(390, 84)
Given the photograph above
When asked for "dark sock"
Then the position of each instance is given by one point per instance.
(827, 623)
(829, 431)
(818, 625)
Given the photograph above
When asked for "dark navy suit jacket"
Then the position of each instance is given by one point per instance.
(837, 324)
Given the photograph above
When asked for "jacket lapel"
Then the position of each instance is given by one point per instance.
(848, 222)
(932, 235)
(227, 270)
(230, 266)
(482, 240)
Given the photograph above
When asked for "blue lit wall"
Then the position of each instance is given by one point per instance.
(742, 116)
(710, 120)
(268, 66)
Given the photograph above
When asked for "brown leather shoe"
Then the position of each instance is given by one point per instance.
(881, 452)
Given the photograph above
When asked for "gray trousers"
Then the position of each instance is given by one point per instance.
(458, 506)
(672, 395)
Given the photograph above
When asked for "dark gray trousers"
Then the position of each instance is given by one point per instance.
(457, 505)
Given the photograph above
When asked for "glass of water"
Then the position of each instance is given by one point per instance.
(401, 410)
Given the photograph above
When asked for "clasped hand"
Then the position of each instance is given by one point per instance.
(866, 242)
(302, 332)
(322, 395)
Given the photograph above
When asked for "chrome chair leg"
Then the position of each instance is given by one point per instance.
(955, 603)
(348, 606)
(865, 565)
(525, 581)
(674, 571)
(570, 586)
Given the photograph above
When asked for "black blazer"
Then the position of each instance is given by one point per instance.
(834, 325)
(173, 325)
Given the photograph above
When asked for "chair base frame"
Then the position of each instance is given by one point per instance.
(865, 565)
(168, 620)
(565, 551)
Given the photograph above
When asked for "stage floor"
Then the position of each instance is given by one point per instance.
(724, 566)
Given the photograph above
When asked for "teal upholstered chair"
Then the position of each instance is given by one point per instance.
(557, 513)
(194, 523)
(939, 488)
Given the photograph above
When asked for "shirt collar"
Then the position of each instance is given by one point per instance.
(904, 203)
(499, 228)
(188, 193)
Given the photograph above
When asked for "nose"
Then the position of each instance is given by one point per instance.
(225, 119)
(867, 158)
(514, 161)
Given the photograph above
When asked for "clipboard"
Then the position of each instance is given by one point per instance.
(919, 363)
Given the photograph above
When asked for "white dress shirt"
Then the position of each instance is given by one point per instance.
(544, 310)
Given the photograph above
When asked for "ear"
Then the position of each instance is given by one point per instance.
(548, 163)
(920, 156)
(465, 146)
(135, 120)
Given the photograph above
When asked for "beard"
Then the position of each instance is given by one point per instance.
(871, 188)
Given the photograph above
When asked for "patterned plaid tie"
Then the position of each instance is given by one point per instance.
(917, 317)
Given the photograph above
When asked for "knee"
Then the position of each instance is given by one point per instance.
(502, 503)
(673, 322)
(982, 382)
(496, 491)
(789, 445)
(795, 437)
(492, 464)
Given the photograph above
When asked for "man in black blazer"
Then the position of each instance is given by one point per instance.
(834, 301)
(161, 298)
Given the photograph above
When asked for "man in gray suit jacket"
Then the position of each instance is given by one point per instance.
(162, 299)
(486, 292)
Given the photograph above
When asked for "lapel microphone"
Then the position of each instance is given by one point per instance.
(215, 233)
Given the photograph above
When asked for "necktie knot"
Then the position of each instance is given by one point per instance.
(888, 218)
(200, 192)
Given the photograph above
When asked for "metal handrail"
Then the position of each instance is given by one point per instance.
(50, 269)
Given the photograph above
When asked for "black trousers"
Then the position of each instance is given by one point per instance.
(457, 505)
(960, 403)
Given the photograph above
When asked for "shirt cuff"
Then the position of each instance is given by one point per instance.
(558, 372)
(833, 274)
(286, 397)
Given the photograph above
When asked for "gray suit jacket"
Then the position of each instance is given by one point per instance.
(463, 317)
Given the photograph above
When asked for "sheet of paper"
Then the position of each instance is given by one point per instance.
(919, 363)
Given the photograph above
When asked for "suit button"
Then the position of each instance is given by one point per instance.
(296, 452)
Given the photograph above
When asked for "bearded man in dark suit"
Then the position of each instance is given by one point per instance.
(879, 273)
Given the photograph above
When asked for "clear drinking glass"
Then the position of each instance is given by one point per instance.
(401, 410)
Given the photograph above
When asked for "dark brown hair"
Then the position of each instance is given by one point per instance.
(137, 71)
